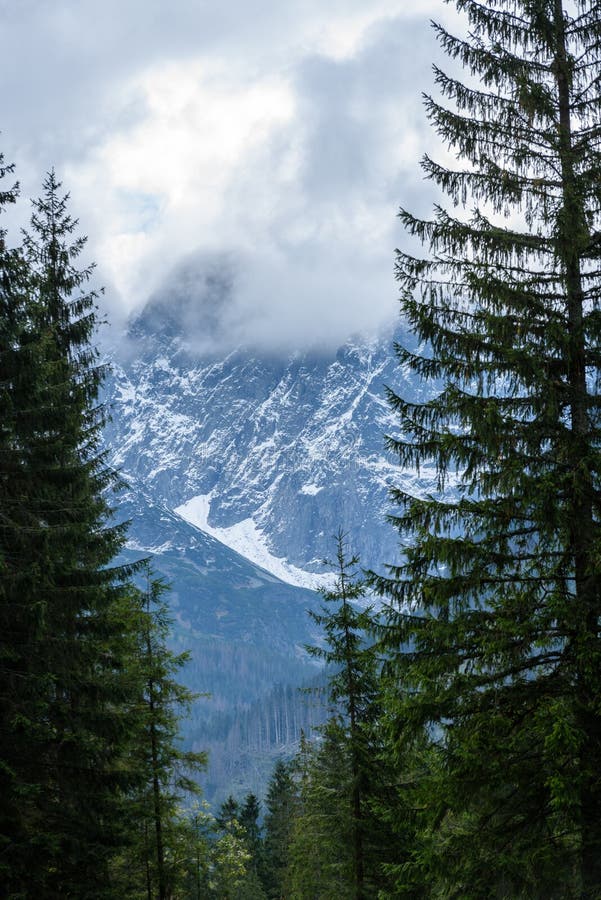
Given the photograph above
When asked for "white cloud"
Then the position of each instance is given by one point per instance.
(283, 134)
(168, 173)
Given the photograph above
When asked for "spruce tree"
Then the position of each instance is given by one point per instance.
(352, 687)
(17, 619)
(69, 704)
(321, 855)
(496, 603)
(249, 820)
(281, 802)
(229, 813)
(166, 771)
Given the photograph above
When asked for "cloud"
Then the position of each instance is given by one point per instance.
(281, 137)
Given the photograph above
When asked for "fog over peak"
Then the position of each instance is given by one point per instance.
(254, 152)
(192, 302)
(215, 303)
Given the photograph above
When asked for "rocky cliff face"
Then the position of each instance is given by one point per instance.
(271, 455)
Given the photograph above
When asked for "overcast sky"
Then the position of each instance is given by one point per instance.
(274, 137)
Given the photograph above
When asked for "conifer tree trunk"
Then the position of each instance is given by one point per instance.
(574, 238)
(166, 768)
(156, 794)
(354, 735)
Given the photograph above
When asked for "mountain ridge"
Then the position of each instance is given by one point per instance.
(242, 466)
(292, 448)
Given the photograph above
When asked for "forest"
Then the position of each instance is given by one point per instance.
(461, 753)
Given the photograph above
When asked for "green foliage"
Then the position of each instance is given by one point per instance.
(249, 820)
(67, 703)
(496, 604)
(222, 865)
(228, 813)
(352, 687)
(165, 771)
(320, 855)
(91, 771)
(344, 772)
(281, 802)
(352, 681)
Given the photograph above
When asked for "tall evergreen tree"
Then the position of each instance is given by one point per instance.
(497, 602)
(352, 688)
(17, 619)
(281, 802)
(167, 770)
(249, 820)
(229, 813)
(69, 705)
(250, 812)
(321, 854)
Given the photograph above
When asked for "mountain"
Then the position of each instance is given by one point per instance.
(269, 454)
(241, 465)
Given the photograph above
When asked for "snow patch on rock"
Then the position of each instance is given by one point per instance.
(245, 538)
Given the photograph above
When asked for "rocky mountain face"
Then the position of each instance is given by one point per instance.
(241, 465)
(270, 455)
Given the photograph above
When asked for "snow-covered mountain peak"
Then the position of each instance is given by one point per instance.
(271, 455)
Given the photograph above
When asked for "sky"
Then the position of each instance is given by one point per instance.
(273, 141)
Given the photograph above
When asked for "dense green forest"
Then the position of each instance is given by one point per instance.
(461, 753)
